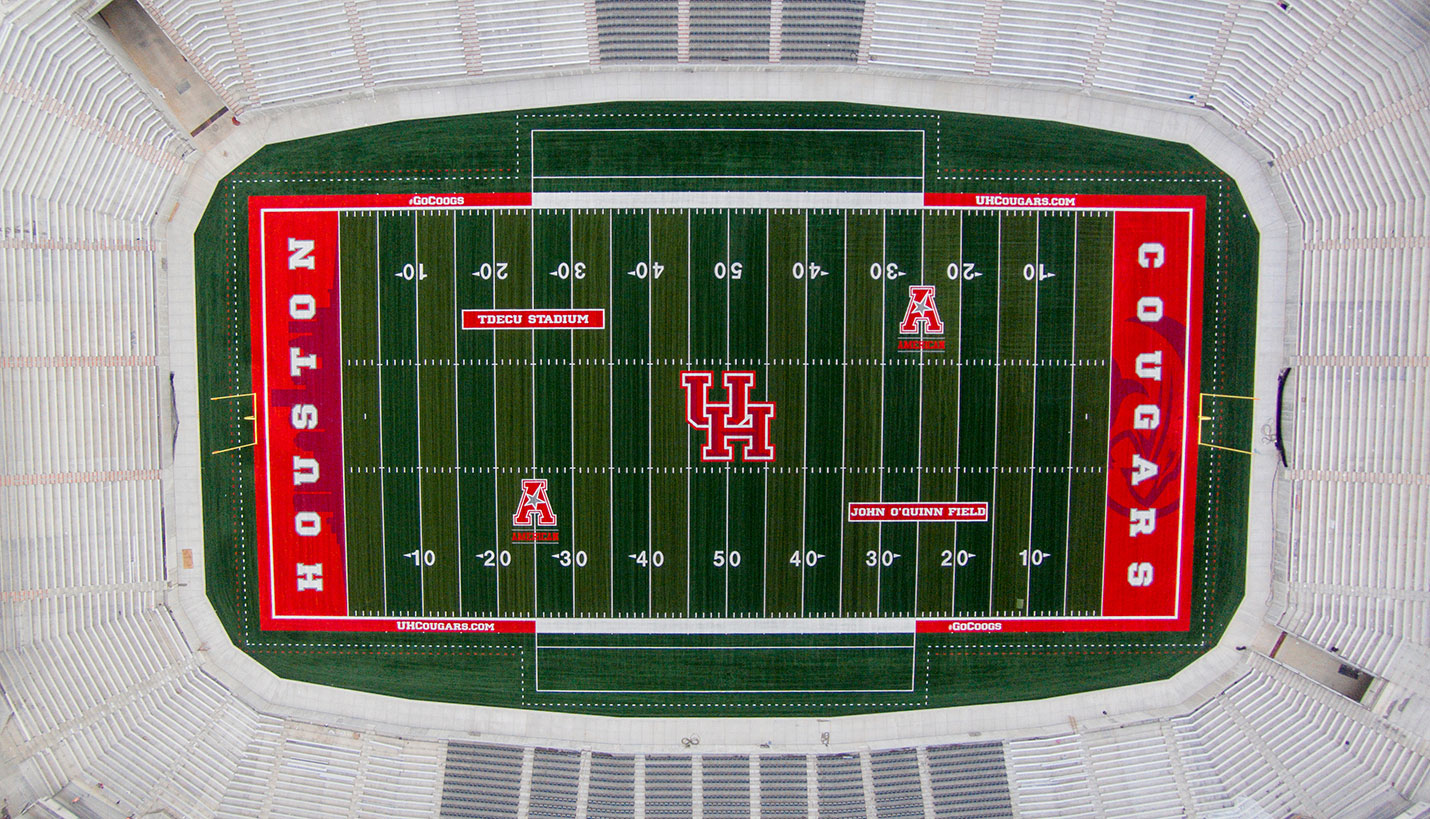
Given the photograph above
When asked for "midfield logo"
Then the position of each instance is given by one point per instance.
(739, 419)
(921, 318)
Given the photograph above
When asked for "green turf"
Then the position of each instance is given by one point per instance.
(615, 422)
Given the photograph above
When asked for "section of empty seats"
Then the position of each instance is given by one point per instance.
(896, 783)
(1137, 772)
(969, 780)
(667, 787)
(1157, 48)
(176, 747)
(554, 780)
(532, 35)
(481, 781)
(77, 128)
(1292, 745)
(611, 793)
(821, 30)
(841, 786)
(730, 30)
(1048, 42)
(725, 786)
(636, 30)
(400, 778)
(409, 43)
(269, 52)
(935, 35)
(784, 787)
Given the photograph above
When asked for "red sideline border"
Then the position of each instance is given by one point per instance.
(272, 287)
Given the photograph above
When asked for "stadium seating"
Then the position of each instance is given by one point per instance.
(109, 709)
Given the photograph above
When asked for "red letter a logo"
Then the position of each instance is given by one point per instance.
(534, 508)
(922, 311)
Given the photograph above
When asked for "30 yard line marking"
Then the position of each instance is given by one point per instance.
(571, 395)
(883, 420)
(919, 474)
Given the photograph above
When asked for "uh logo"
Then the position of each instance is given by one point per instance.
(738, 419)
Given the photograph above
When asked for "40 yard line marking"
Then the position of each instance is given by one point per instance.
(649, 437)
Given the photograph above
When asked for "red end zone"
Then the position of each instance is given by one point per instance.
(1152, 402)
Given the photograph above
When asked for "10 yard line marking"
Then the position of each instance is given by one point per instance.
(1033, 446)
(417, 390)
(1072, 415)
(843, 416)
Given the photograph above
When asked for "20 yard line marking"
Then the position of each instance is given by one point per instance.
(496, 483)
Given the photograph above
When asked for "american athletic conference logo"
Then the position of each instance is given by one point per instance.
(737, 420)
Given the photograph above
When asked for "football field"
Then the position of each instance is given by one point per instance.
(806, 408)
(919, 405)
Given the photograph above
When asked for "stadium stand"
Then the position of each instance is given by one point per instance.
(110, 708)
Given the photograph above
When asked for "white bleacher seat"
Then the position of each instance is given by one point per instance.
(99, 686)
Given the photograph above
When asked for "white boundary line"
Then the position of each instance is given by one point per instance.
(1187, 420)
